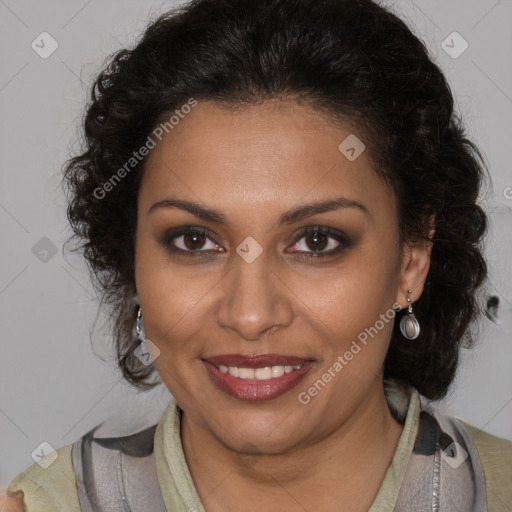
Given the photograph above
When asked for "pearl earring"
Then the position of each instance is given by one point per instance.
(409, 325)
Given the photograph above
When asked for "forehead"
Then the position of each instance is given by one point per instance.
(273, 155)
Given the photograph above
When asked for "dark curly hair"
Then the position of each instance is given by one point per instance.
(353, 59)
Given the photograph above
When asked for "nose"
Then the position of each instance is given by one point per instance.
(255, 300)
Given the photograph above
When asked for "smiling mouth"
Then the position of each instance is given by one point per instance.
(254, 378)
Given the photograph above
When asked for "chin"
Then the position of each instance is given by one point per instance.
(257, 428)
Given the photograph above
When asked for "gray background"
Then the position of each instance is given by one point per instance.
(56, 383)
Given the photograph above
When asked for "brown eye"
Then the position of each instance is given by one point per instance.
(194, 240)
(188, 241)
(319, 242)
(316, 240)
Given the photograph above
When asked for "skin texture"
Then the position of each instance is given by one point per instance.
(253, 165)
(12, 503)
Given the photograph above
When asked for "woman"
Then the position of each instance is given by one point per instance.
(278, 204)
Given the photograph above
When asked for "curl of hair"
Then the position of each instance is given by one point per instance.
(352, 59)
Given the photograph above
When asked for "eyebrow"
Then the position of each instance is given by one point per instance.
(294, 215)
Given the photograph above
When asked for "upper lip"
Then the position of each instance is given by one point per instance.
(255, 361)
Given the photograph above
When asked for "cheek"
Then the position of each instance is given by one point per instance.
(352, 313)
(172, 298)
(353, 295)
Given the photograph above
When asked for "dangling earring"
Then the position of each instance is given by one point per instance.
(139, 326)
(409, 325)
(146, 352)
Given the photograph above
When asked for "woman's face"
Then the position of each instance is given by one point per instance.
(305, 319)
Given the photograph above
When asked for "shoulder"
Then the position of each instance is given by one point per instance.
(48, 484)
(496, 456)
(12, 503)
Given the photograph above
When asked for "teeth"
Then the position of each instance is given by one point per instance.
(245, 373)
(277, 371)
(265, 373)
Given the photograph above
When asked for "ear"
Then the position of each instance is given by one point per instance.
(414, 268)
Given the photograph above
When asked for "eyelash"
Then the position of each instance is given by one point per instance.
(342, 239)
(344, 242)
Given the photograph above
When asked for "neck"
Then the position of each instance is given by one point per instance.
(346, 467)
